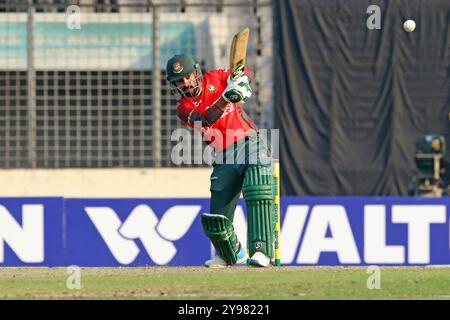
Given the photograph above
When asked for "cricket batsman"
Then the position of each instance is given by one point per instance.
(214, 102)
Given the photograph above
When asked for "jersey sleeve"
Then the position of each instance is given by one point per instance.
(189, 114)
(183, 112)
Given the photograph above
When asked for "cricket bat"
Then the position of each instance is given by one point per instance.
(238, 53)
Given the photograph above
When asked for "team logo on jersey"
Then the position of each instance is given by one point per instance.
(258, 245)
(211, 88)
(177, 67)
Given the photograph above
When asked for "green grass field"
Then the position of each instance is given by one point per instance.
(231, 283)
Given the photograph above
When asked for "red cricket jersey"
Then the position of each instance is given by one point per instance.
(218, 133)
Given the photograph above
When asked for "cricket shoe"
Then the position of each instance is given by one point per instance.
(218, 262)
(259, 259)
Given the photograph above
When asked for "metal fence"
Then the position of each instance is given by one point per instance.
(87, 88)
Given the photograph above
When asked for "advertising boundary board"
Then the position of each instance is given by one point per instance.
(336, 231)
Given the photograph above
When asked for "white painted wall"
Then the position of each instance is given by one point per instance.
(111, 183)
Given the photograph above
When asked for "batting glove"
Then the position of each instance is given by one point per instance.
(238, 90)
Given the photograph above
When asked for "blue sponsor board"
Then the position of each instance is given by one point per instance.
(168, 232)
(135, 232)
(365, 231)
(31, 231)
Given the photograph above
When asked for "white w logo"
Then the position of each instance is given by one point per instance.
(142, 223)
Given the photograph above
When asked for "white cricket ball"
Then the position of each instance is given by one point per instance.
(409, 25)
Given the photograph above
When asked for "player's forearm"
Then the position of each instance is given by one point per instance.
(210, 115)
(221, 104)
